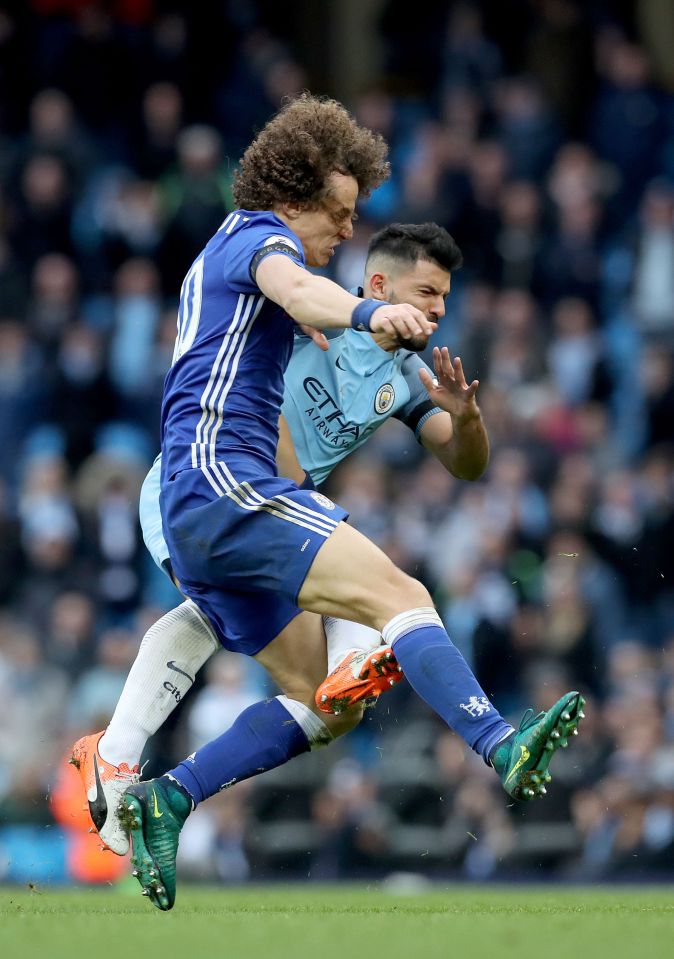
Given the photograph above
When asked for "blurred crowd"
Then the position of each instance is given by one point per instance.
(540, 133)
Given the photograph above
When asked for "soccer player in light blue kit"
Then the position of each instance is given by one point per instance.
(250, 548)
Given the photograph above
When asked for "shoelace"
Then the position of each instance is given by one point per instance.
(529, 719)
(128, 775)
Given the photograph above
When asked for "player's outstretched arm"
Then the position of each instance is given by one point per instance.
(318, 302)
(459, 441)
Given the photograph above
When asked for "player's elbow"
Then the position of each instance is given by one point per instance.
(468, 469)
(469, 473)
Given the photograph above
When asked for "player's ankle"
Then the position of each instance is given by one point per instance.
(178, 796)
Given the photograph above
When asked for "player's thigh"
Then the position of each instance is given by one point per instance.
(351, 578)
(296, 659)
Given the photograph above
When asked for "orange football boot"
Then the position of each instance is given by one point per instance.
(362, 674)
(104, 785)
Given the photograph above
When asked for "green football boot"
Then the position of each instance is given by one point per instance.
(522, 760)
(152, 814)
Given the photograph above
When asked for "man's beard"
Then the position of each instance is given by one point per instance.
(415, 344)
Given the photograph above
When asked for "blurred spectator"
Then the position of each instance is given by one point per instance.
(54, 297)
(570, 262)
(519, 238)
(102, 51)
(131, 221)
(657, 380)
(196, 200)
(69, 640)
(560, 55)
(626, 123)
(229, 692)
(54, 130)
(352, 824)
(33, 702)
(82, 395)
(487, 163)
(21, 391)
(471, 60)
(97, 690)
(162, 114)
(43, 209)
(653, 297)
(526, 127)
(213, 844)
(515, 353)
(575, 355)
(136, 316)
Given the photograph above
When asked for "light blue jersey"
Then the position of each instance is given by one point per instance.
(333, 402)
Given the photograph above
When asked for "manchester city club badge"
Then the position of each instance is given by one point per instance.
(383, 401)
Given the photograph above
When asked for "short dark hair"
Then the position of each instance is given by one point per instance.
(292, 157)
(409, 242)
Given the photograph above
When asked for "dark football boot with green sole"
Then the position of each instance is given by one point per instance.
(153, 814)
(522, 760)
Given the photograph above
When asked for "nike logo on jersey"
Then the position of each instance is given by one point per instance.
(171, 665)
(98, 807)
(339, 365)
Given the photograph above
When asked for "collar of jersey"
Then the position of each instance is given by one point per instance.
(365, 346)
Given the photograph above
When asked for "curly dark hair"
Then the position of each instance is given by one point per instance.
(409, 242)
(292, 157)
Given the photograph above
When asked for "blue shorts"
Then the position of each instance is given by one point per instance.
(243, 554)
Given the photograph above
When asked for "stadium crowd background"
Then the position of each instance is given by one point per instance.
(541, 134)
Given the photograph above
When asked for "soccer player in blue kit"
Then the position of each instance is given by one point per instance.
(355, 386)
(252, 549)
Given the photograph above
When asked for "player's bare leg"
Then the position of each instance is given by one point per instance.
(297, 661)
(351, 578)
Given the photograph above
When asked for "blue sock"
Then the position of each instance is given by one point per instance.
(264, 736)
(437, 671)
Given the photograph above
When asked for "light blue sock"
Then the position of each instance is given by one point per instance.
(437, 671)
(264, 736)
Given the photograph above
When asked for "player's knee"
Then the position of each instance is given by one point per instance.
(401, 592)
(412, 591)
(396, 592)
(345, 721)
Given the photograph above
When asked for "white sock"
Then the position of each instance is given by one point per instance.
(311, 725)
(344, 637)
(171, 653)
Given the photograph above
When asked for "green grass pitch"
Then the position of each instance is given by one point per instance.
(341, 922)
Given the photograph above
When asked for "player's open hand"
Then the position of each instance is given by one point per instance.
(449, 389)
(401, 319)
